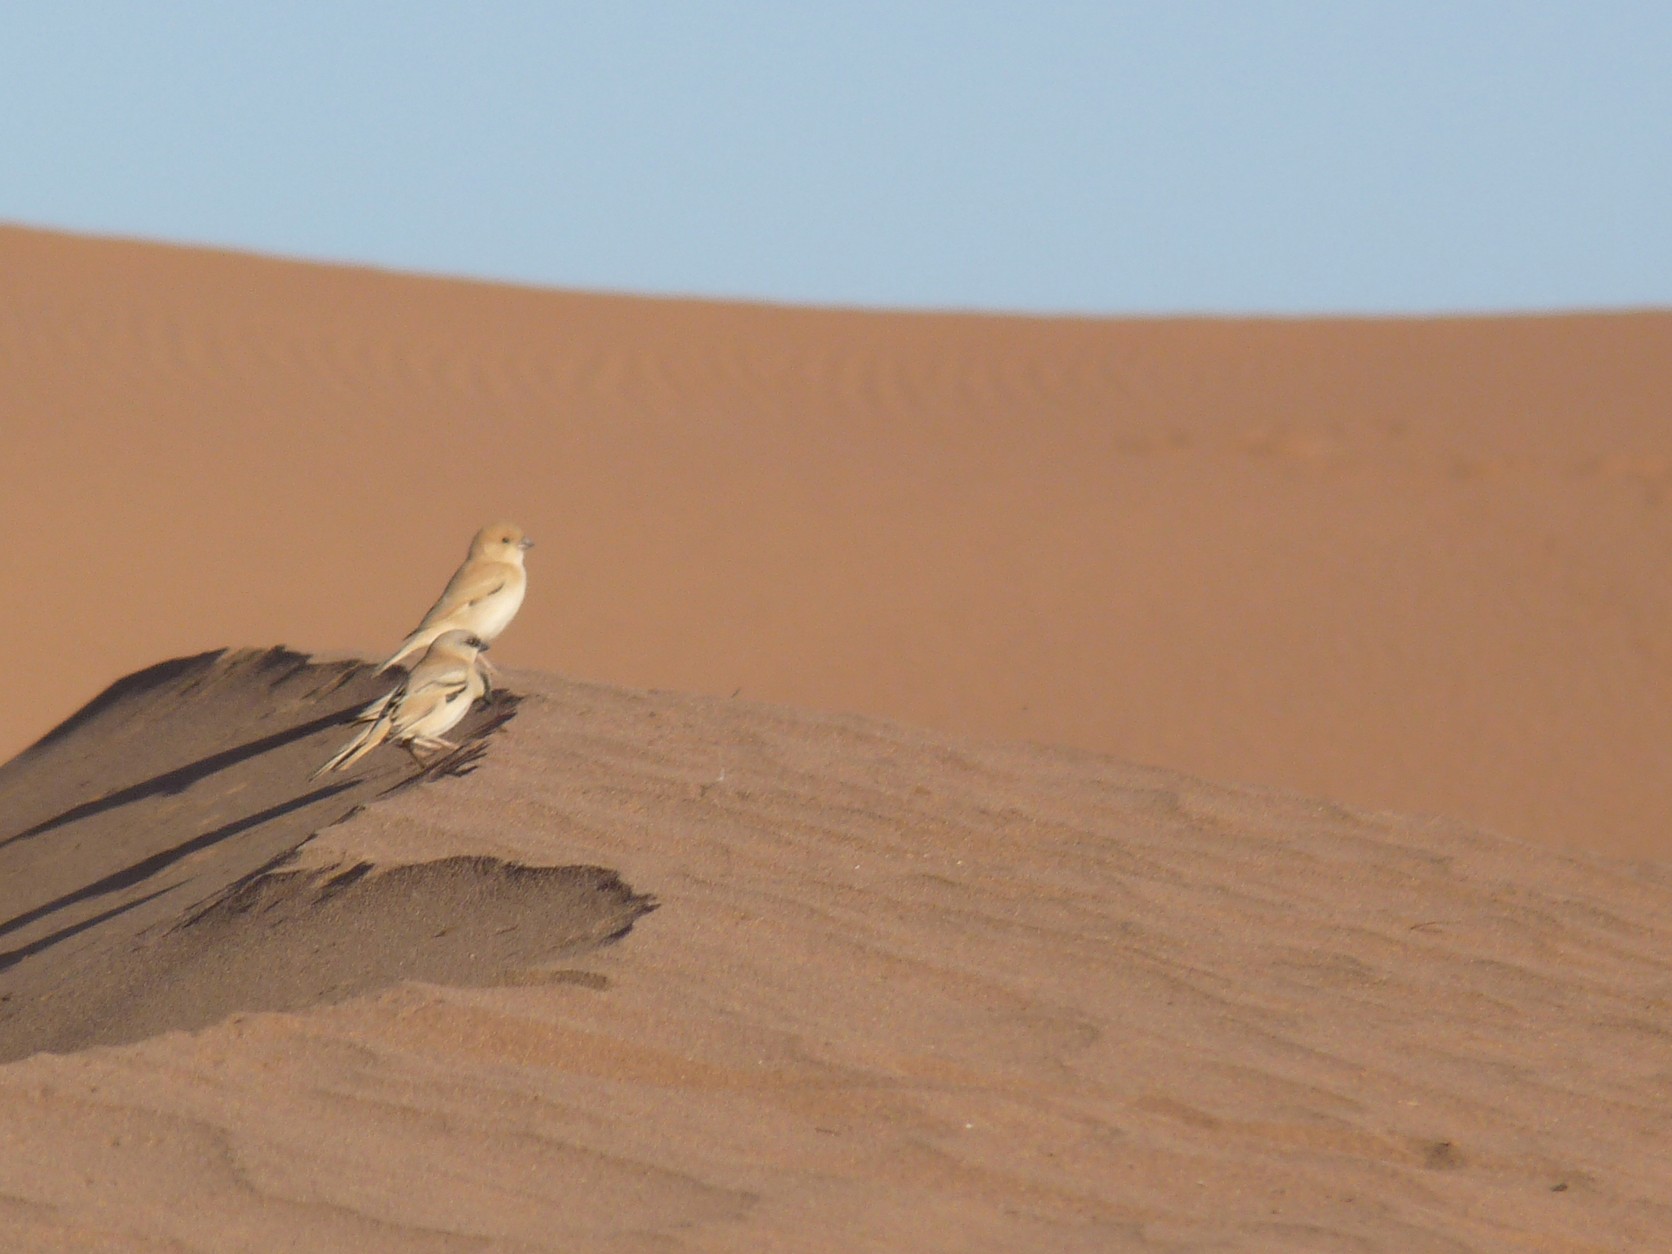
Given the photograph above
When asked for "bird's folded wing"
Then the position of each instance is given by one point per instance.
(470, 585)
(424, 698)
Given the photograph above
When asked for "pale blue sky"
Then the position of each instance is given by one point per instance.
(1174, 156)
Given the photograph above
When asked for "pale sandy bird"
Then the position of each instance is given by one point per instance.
(483, 595)
(426, 705)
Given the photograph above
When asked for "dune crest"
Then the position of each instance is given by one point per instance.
(903, 992)
(1416, 564)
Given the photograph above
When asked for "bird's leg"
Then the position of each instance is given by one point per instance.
(434, 743)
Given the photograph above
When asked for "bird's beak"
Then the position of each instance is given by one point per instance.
(525, 543)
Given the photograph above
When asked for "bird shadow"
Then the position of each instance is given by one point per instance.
(177, 780)
(145, 868)
(11, 957)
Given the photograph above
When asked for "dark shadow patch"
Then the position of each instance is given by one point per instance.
(163, 675)
(11, 957)
(145, 868)
(289, 940)
(1441, 1156)
(579, 979)
(172, 783)
(164, 797)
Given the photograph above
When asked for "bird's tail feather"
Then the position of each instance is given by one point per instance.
(407, 648)
(356, 748)
(373, 710)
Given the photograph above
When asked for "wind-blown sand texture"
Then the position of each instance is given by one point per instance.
(1412, 564)
(902, 992)
(165, 809)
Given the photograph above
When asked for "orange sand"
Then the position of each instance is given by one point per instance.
(902, 993)
(1412, 564)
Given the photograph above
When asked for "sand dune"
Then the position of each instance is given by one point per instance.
(1412, 564)
(162, 810)
(903, 992)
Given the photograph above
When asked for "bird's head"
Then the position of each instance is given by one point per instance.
(459, 641)
(501, 542)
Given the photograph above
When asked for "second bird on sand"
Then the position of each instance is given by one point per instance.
(426, 706)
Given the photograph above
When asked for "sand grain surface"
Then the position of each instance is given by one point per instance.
(904, 992)
(655, 968)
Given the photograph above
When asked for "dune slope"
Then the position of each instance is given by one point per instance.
(1417, 564)
(903, 992)
(166, 811)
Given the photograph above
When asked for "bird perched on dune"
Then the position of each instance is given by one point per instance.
(426, 705)
(481, 598)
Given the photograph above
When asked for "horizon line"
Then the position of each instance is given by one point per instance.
(1480, 313)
